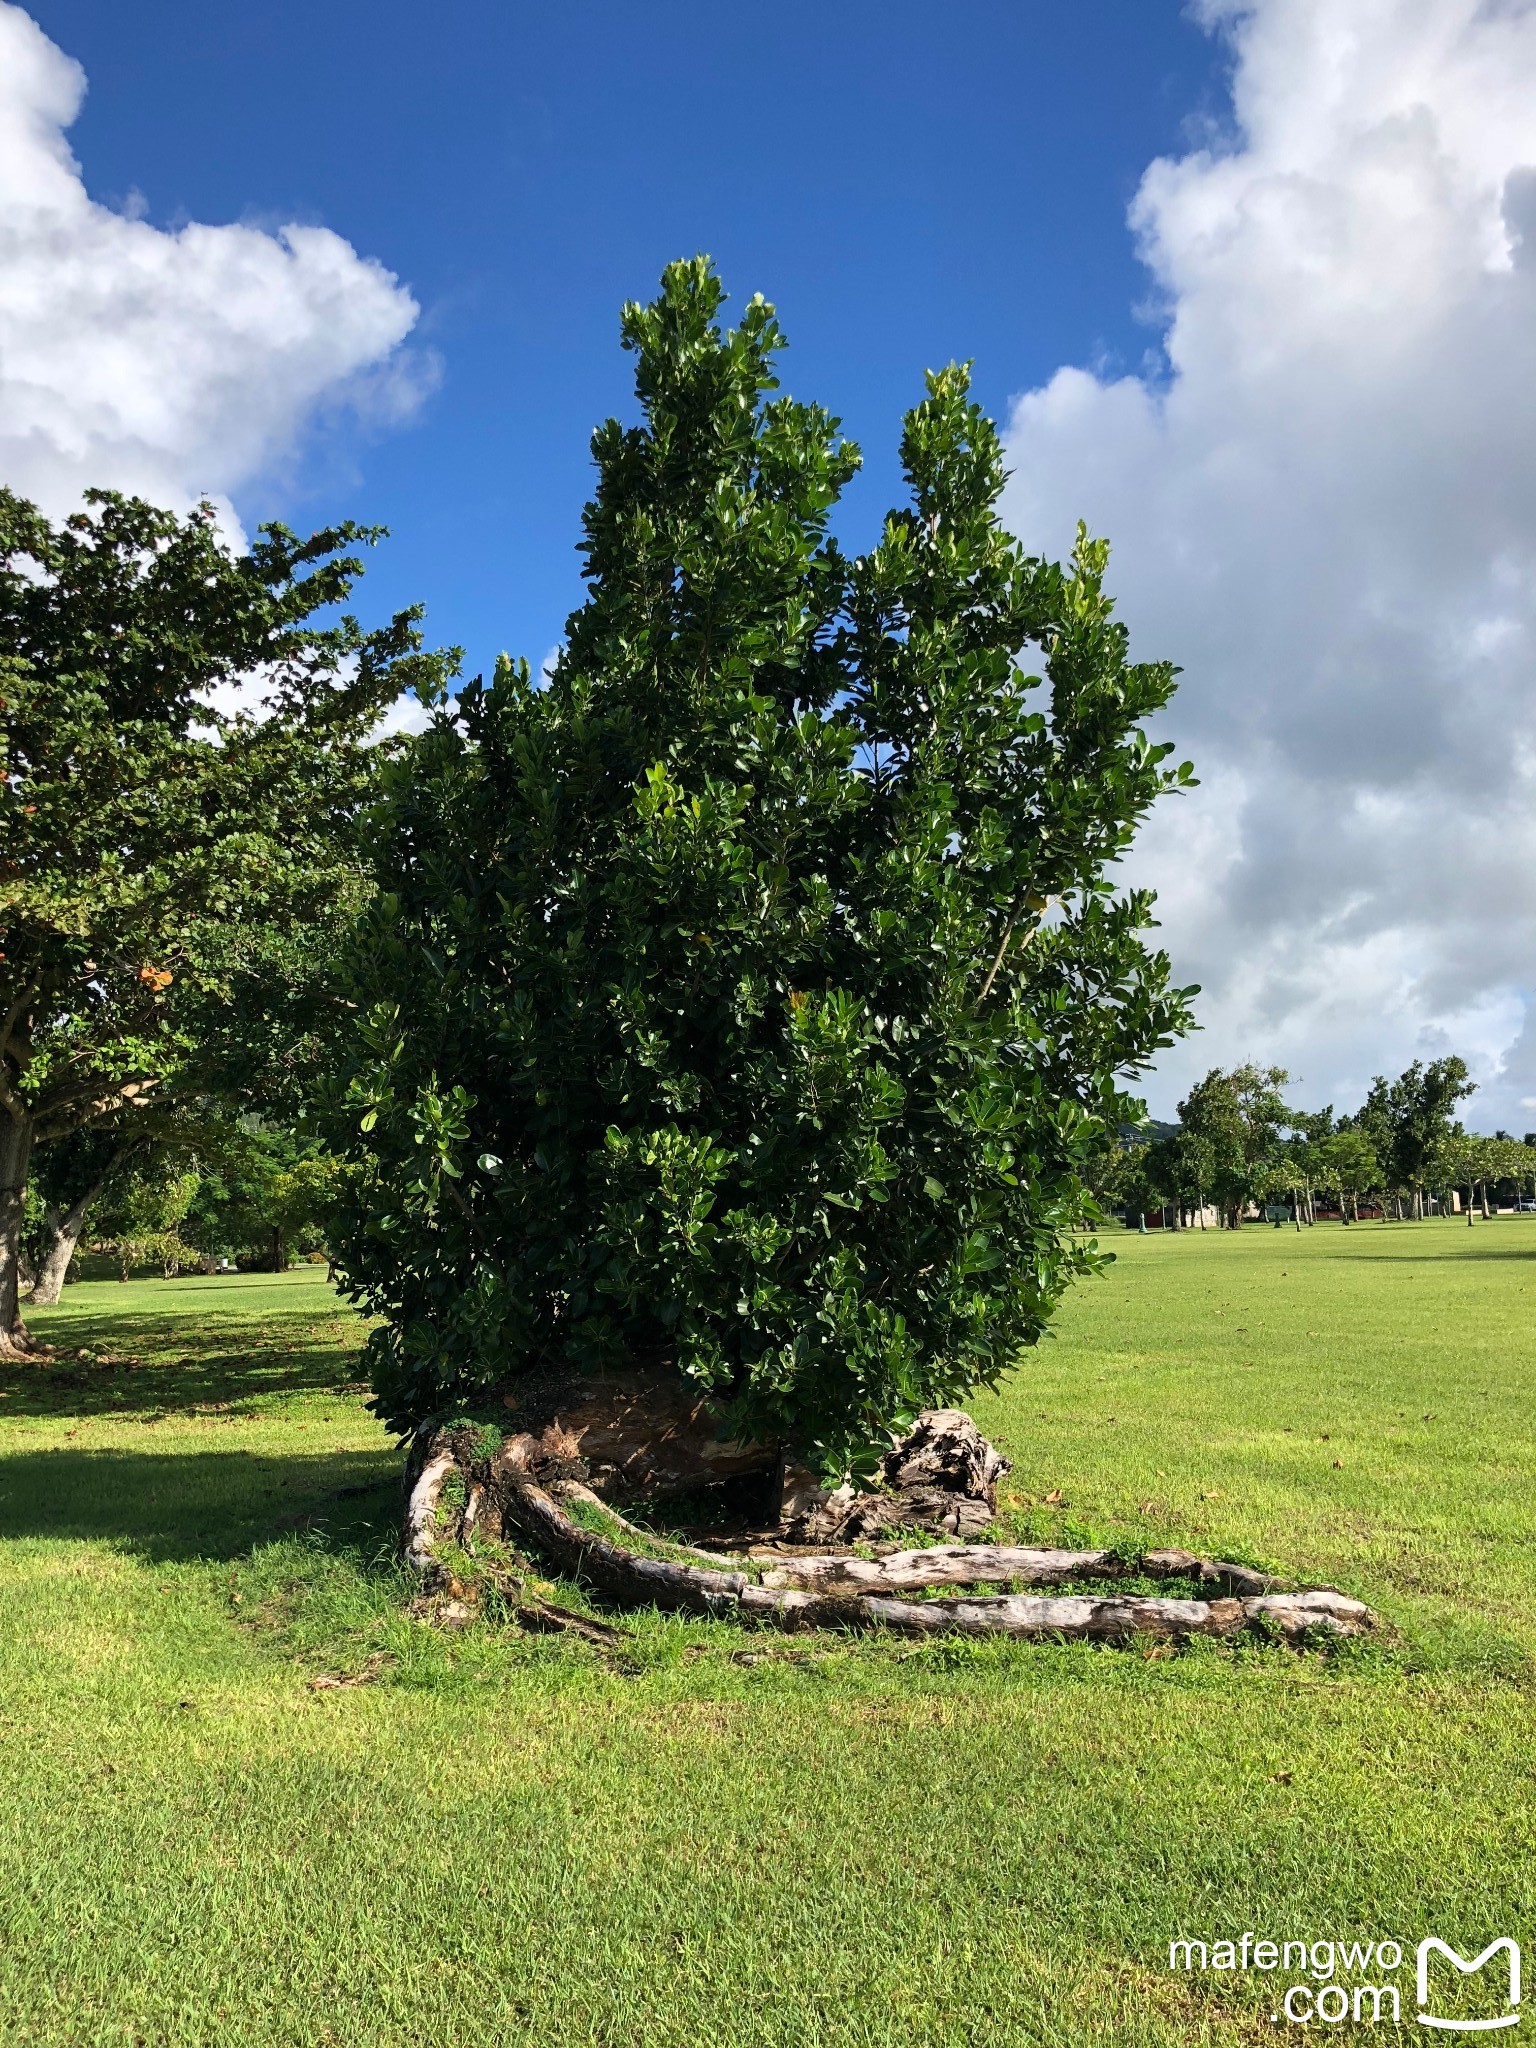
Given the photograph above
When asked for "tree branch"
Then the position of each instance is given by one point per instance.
(9, 1099)
(997, 961)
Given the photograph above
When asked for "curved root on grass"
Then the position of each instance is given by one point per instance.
(839, 1590)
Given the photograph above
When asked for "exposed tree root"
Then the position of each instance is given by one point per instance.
(18, 1346)
(519, 1492)
(422, 1501)
(543, 1617)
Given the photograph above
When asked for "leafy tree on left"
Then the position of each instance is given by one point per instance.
(185, 745)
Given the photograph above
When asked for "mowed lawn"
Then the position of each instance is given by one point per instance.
(497, 1838)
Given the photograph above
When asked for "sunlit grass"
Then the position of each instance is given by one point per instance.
(503, 1838)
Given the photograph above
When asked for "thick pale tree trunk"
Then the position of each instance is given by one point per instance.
(64, 1231)
(15, 1162)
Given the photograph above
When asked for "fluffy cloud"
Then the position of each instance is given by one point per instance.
(1322, 496)
(177, 364)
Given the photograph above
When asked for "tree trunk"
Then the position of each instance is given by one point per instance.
(525, 1489)
(15, 1162)
(64, 1233)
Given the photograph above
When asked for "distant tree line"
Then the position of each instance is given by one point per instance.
(1239, 1148)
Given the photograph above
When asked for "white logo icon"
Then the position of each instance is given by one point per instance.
(1508, 2019)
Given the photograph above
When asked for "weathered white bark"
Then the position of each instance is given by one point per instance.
(977, 1564)
(64, 1231)
(420, 1544)
(942, 1476)
(505, 1496)
(1321, 1607)
(949, 1564)
(1075, 1617)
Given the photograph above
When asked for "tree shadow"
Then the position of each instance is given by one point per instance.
(215, 1379)
(244, 1345)
(210, 1505)
(1463, 1254)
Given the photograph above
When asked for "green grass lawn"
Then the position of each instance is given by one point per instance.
(500, 1838)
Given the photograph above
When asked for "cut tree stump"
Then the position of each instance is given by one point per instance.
(538, 1489)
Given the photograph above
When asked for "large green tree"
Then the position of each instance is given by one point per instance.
(1411, 1120)
(174, 869)
(1183, 1167)
(746, 997)
(1348, 1162)
(1240, 1115)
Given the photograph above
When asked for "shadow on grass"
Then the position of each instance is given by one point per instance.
(1462, 1254)
(218, 1376)
(202, 1504)
(209, 1345)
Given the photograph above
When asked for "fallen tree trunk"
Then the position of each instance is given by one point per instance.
(526, 1489)
(985, 1563)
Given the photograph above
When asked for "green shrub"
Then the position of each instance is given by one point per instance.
(747, 995)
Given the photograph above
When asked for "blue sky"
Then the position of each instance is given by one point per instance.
(907, 183)
(1249, 284)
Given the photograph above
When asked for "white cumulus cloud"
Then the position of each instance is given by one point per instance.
(1322, 499)
(172, 364)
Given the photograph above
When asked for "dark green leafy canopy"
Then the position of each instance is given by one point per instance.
(167, 861)
(1408, 1120)
(1230, 1129)
(748, 996)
